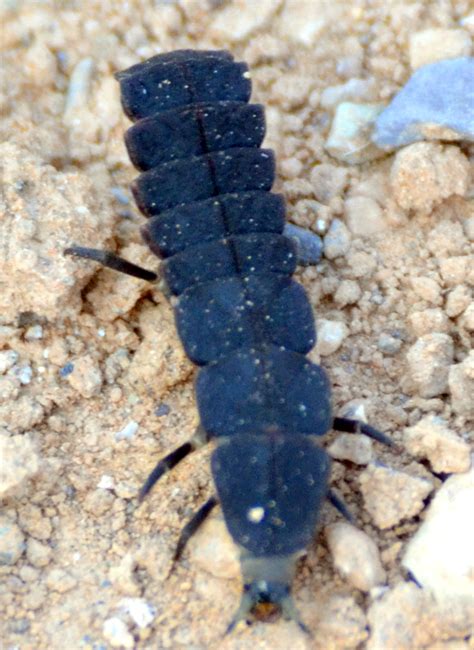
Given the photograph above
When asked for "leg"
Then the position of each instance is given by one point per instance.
(171, 460)
(192, 526)
(165, 465)
(112, 261)
(340, 506)
(355, 426)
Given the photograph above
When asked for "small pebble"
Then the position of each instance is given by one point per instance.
(125, 490)
(364, 216)
(34, 333)
(86, 376)
(128, 432)
(352, 446)
(34, 522)
(432, 45)
(447, 239)
(337, 241)
(331, 335)
(120, 195)
(458, 300)
(428, 321)
(139, 610)
(19, 462)
(432, 439)
(8, 358)
(358, 90)
(24, 373)
(461, 386)
(391, 496)
(79, 87)
(116, 633)
(12, 541)
(466, 321)
(355, 555)
(347, 293)
(455, 270)
(98, 502)
(212, 549)
(38, 554)
(161, 410)
(429, 361)
(329, 181)
(106, 482)
(468, 226)
(349, 137)
(309, 246)
(60, 581)
(427, 289)
(66, 370)
(431, 106)
(426, 173)
(389, 344)
(409, 618)
(440, 555)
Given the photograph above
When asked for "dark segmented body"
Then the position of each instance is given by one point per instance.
(205, 186)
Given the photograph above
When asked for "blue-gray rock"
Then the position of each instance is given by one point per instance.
(309, 247)
(436, 103)
(337, 240)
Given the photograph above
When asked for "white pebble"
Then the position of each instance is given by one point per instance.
(116, 633)
(106, 482)
(432, 439)
(352, 446)
(349, 138)
(79, 86)
(353, 89)
(440, 556)
(24, 373)
(139, 610)
(355, 555)
(128, 431)
(331, 334)
(8, 358)
(34, 333)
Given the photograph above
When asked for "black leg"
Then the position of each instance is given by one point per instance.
(112, 261)
(340, 506)
(164, 465)
(355, 426)
(193, 524)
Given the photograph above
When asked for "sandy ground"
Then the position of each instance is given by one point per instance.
(95, 386)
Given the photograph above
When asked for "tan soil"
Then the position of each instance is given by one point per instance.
(88, 547)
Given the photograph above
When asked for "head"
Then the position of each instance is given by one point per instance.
(271, 488)
(267, 588)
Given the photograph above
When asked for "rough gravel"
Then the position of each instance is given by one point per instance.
(95, 387)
